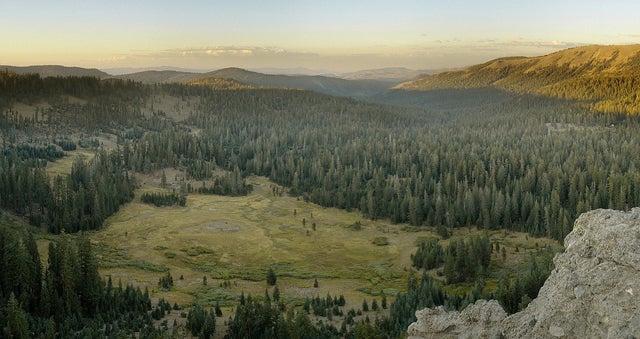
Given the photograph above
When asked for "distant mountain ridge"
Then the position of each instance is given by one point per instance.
(160, 77)
(56, 70)
(606, 78)
(219, 83)
(391, 74)
(364, 84)
(317, 83)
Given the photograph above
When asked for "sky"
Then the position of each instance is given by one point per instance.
(328, 36)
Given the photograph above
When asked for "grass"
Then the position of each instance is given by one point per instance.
(63, 166)
(238, 238)
(380, 241)
(234, 240)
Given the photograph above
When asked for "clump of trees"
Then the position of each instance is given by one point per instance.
(515, 294)
(429, 254)
(164, 199)
(262, 319)
(464, 260)
(166, 282)
(35, 153)
(80, 201)
(200, 322)
(67, 298)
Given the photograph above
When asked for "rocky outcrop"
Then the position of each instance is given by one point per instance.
(479, 320)
(593, 292)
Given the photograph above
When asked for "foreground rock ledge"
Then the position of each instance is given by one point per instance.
(593, 292)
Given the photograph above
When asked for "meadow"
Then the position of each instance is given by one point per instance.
(233, 241)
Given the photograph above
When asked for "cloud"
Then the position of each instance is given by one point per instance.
(215, 57)
(553, 44)
(229, 51)
(234, 52)
(430, 54)
(633, 35)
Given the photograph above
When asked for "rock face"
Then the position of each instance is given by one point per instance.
(480, 320)
(593, 292)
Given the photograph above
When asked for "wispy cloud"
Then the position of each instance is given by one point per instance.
(213, 57)
(229, 51)
(633, 35)
(525, 43)
(431, 53)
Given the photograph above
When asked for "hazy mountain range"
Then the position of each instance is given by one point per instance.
(603, 77)
(532, 74)
(318, 83)
(56, 70)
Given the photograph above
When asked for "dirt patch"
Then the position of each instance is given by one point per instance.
(217, 226)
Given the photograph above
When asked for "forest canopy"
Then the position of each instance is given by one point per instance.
(468, 158)
(522, 163)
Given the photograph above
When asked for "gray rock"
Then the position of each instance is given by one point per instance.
(479, 320)
(593, 292)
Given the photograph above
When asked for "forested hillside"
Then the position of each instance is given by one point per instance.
(55, 71)
(500, 161)
(502, 165)
(602, 78)
(67, 298)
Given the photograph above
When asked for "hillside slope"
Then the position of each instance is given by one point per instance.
(219, 83)
(160, 77)
(390, 74)
(603, 77)
(317, 83)
(55, 70)
(321, 84)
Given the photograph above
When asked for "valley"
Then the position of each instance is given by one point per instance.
(275, 203)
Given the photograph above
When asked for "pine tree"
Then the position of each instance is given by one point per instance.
(17, 324)
(271, 277)
(365, 306)
(90, 284)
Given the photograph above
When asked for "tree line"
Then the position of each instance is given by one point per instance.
(67, 298)
(495, 166)
(163, 199)
(462, 260)
(81, 200)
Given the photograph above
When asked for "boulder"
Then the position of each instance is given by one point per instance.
(593, 292)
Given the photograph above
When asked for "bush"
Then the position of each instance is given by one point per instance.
(381, 241)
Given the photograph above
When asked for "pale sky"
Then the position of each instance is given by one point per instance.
(327, 35)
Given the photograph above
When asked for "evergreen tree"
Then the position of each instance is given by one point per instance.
(271, 277)
(17, 324)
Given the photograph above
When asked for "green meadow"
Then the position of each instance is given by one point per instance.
(233, 241)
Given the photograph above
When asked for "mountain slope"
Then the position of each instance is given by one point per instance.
(603, 77)
(390, 74)
(322, 84)
(219, 83)
(160, 77)
(56, 70)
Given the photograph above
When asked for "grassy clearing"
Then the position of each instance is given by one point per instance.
(63, 166)
(239, 238)
(234, 240)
